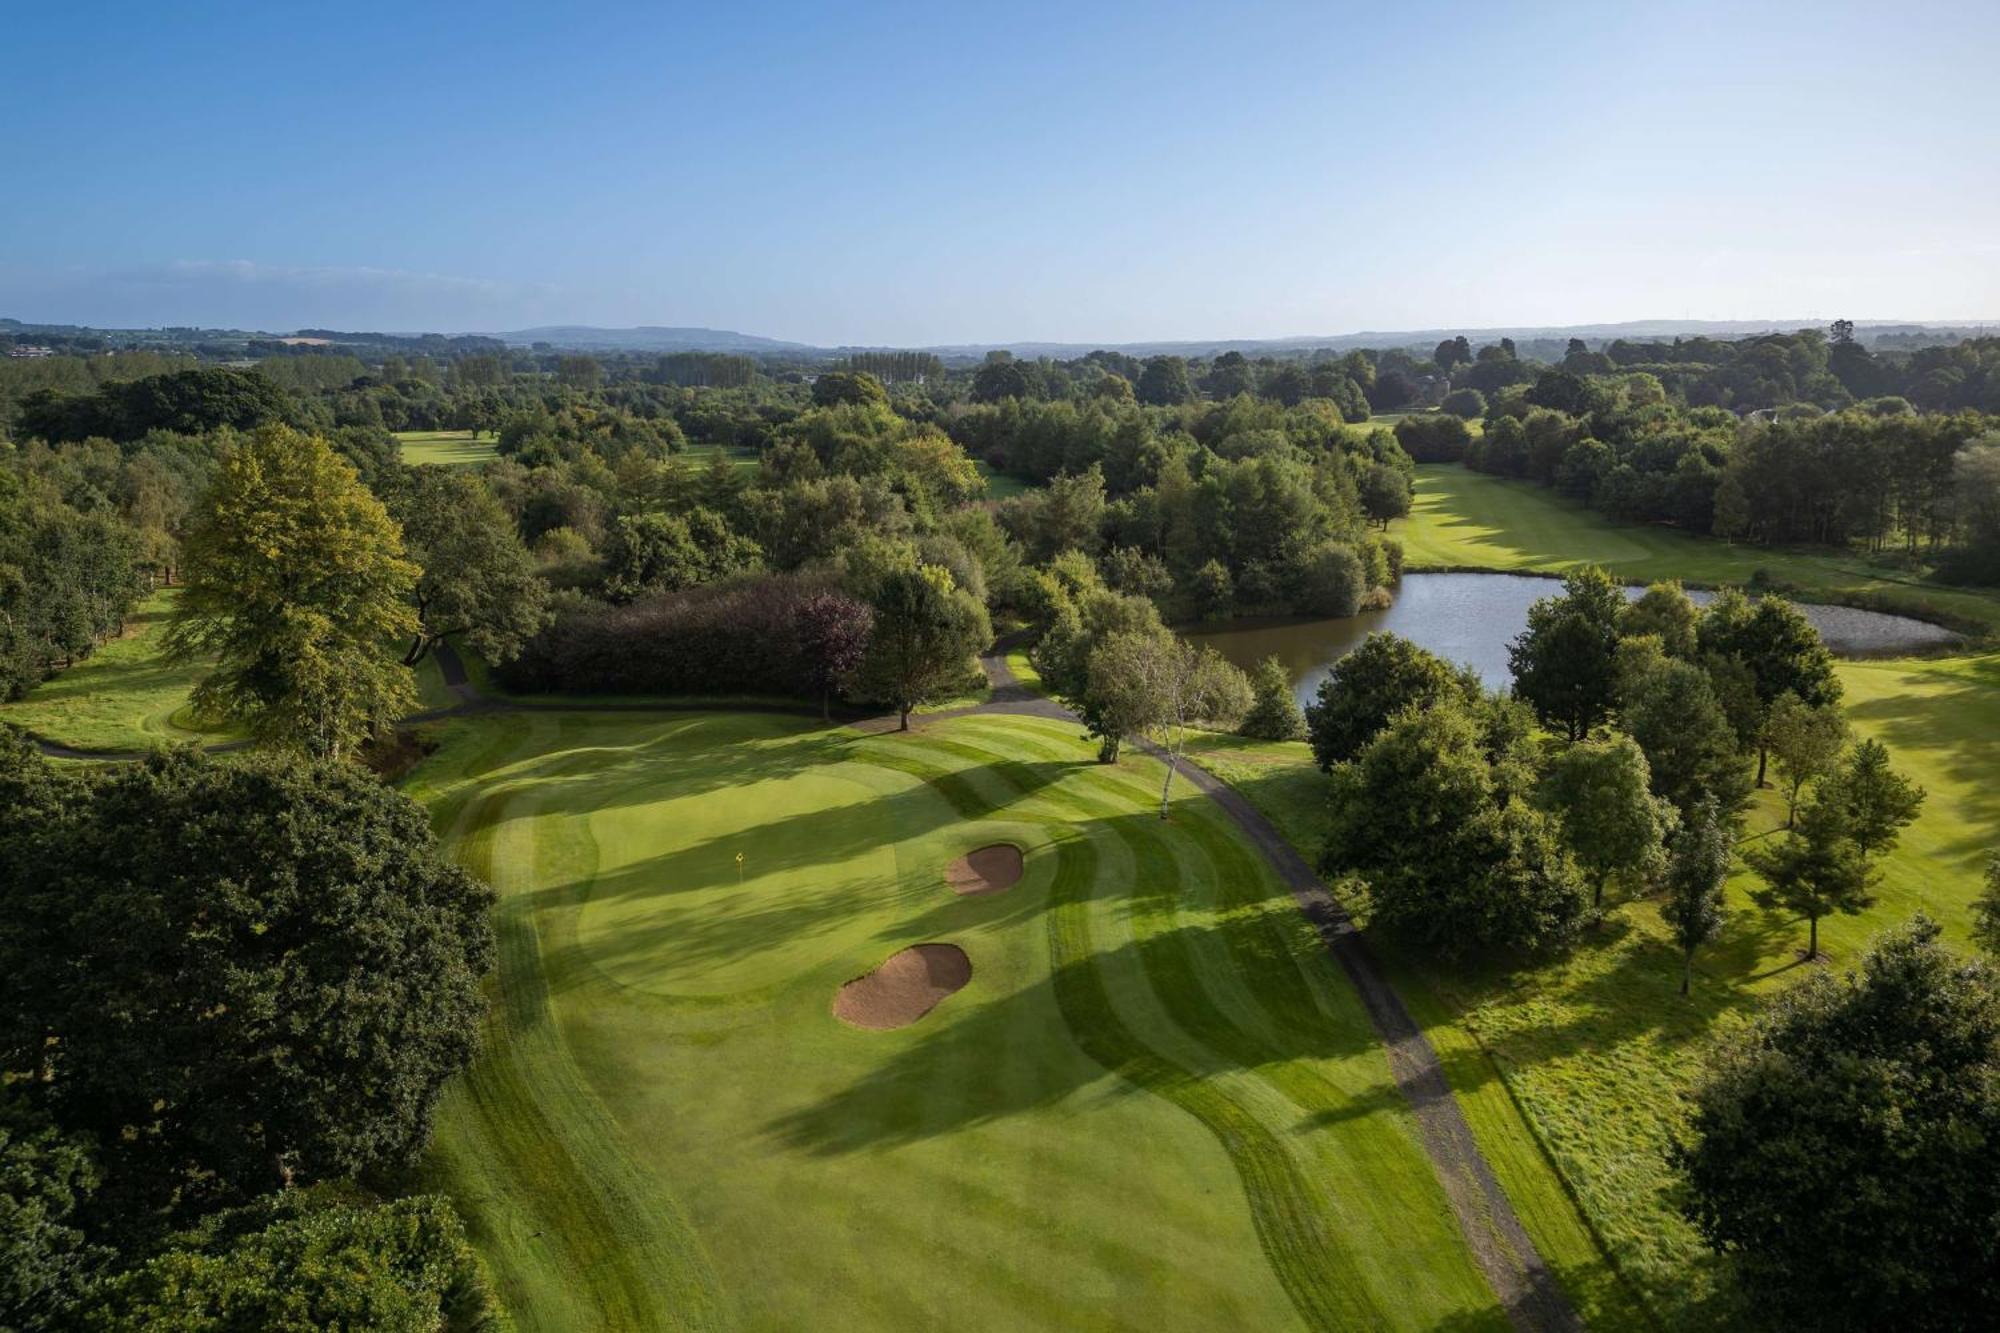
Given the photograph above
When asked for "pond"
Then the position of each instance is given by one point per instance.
(1472, 618)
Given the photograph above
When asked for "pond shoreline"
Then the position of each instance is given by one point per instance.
(1472, 616)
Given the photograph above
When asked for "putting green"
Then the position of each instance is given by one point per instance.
(1155, 1105)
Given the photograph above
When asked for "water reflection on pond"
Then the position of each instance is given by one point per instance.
(1473, 618)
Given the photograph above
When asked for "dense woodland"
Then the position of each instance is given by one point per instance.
(1214, 488)
(718, 525)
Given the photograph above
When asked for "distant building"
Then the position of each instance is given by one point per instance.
(26, 351)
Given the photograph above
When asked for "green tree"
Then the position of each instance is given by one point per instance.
(652, 553)
(478, 581)
(1782, 653)
(296, 590)
(1672, 712)
(1164, 382)
(1214, 591)
(1611, 821)
(582, 373)
(1274, 713)
(832, 388)
(1816, 869)
(1844, 1149)
(926, 629)
(1465, 403)
(1157, 682)
(1986, 908)
(1452, 860)
(230, 975)
(1697, 869)
(1384, 493)
(1876, 801)
(1333, 581)
(1117, 702)
(46, 1263)
(997, 381)
(303, 1261)
(1665, 611)
(1806, 743)
(1369, 686)
(1563, 662)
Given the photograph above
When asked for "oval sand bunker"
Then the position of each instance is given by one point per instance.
(908, 985)
(987, 870)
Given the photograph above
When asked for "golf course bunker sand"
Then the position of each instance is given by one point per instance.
(991, 869)
(909, 984)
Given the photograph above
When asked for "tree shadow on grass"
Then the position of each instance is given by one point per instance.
(1957, 727)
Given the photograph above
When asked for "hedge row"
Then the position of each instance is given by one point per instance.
(739, 637)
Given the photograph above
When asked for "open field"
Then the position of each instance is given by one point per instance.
(1463, 519)
(1000, 486)
(446, 448)
(1597, 1048)
(703, 455)
(1156, 1104)
(125, 697)
(121, 697)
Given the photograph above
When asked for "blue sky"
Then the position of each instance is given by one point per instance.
(913, 174)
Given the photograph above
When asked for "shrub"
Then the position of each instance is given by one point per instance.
(742, 636)
(1465, 403)
(1334, 582)
(1274, 713)
(1433, 437)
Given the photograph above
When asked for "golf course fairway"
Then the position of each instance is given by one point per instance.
(1156, 1104)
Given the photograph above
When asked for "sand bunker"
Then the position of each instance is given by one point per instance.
(988, 870)
(908, 985)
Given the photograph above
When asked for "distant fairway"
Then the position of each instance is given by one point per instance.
(1463, 519)
(1157, 1104)
(446, 448)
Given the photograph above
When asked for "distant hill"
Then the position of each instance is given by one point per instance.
(662, 339)
(649, 338)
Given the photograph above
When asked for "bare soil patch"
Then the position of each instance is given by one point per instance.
(909, 984)
(991, 869)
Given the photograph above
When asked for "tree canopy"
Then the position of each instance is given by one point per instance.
(296, 590)
(1844, 1149)
(232, 974)
(1563, 661)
